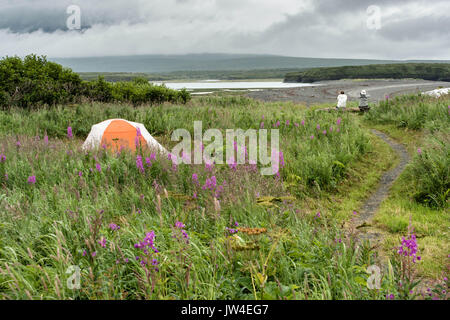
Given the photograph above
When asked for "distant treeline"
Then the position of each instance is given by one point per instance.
(34, 81)
(425, 71)
(194, 75)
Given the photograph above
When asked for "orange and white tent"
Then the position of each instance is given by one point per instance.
(118, 134)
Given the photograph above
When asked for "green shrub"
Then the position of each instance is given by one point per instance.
(34, 81)
(414, 112)
(429, 172)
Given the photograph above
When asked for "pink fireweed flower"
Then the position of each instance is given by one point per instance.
(288, 122)
(139, 164)
(324, 132)
(114, 226)
(281, 157)
(152, 156)
(179, 229)
(31, 180)
(409, 248)
(69, 132)
(232, 164)
(2, 158)
(317, 215)
(148, 243)
(312, 137)
(209, 165)
(185, 157)
(179, 225)
(231, 231)
(80, 174)
(331, 129)
(98, 167)
(94, 254)
(148, 162)
(210, 183)
(137, 142)
(18, 144)
(195, 178)
(46, 139)
(302, 123)
(262, 125)
(102, 242)
(277, 124)
(296, 124)
(253, 165)
(419, 151)
(338, 122)
(219, 190)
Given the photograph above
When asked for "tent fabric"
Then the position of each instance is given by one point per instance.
(116, 134)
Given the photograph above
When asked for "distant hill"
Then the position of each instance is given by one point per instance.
(425, 71)
(203, 62)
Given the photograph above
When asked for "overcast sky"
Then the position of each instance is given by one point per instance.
(409, 29)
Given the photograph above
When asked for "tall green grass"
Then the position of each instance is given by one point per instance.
(64, 218)
(429, 171)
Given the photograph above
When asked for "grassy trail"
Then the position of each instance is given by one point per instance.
(372, 204)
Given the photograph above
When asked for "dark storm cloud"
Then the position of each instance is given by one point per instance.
(320, 28)
(24, 16)
(408, 29)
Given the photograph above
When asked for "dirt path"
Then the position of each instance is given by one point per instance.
(371, 206)
(327, 91)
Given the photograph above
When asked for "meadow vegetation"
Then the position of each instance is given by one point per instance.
(141, 227)
(420, 197)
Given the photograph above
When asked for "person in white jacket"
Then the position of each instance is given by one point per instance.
(342, 101)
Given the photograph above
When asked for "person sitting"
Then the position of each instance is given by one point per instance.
(342, 101)
(364, 101)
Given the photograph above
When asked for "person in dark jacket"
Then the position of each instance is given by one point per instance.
(364, 101)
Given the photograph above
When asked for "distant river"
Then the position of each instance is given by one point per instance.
(212, 84)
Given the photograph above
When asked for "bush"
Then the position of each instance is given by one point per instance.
(35, 81)
(429, 172)
(414, 112)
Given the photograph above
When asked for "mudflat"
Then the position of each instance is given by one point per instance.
(327, 91)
